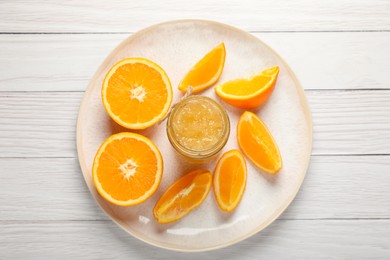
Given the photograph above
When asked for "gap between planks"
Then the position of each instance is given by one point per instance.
(54, 221)
(306, 90)
(76, 157)
(249, 31)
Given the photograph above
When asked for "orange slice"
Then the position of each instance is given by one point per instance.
(257, 143)
(230, 180)
(136, 93)
(249, 93)
(127, 169)
(206, 72)
(184, 195)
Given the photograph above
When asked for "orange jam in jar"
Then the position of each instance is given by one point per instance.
(198, 128)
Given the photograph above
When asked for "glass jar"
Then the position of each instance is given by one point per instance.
(198, 128)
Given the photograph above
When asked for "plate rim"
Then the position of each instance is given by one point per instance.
(263, 225)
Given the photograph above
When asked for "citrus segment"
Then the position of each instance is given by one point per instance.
(249, 93)
(206, 72)
(257, 143)
(127, 169)
(230, 180)
(183, 196)
(136, 93)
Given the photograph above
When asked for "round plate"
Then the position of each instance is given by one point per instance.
(176, 46)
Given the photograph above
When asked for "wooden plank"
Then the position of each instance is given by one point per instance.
(341, 187)
(344, 187)
(45, 189)
(39, 124)
(66, 62)
(335, 60)
(350, 122)
(320, 60)
(284, 239)
(119, 16)
(43, 124)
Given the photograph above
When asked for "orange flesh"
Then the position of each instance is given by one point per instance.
(136, 93)
(249, 93)
(257, 143)
(230, 180)
(127, 169)
(248, 86)
(206, 72)
(183, 196)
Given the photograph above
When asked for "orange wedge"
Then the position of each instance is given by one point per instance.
(206, 72)
(249, 93)
(136, 93)
(230, 180)
(257, 143)
(127, 169)
(183, 196)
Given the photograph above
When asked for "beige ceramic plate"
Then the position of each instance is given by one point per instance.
(176, 46)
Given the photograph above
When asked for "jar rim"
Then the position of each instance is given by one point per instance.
(203, 153)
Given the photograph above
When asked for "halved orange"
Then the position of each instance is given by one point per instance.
(206, 72)
(251, 92)
(257, 143)
(136, 93)
(127, 169)
(184, 195)
(230, 180)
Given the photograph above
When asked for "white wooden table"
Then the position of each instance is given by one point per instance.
(339, 49)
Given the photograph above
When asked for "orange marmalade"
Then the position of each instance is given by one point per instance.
(198, 127)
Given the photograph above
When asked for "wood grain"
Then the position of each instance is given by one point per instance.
(56, 191)
(38, 125)
(341, 187)
(43, 124)
(346, 122)
(284, 239)
(115, 16)
(67, 62)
